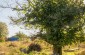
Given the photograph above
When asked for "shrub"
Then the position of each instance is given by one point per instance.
(34, 47)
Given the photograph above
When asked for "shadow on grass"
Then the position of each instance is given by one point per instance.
(31, 47)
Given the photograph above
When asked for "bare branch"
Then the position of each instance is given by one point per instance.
(1, 6)
(18, 4)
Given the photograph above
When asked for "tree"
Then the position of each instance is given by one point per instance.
(61, 22)
(21, 35)
(3, 31)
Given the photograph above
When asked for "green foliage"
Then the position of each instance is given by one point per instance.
(3, 31)
(61, 21)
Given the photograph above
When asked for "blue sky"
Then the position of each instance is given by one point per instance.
(4, 13)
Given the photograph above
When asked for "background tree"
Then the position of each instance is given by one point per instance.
(61, 22)
(21, 36)
(3, 31)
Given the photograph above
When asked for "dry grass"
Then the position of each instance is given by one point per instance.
(13, 48)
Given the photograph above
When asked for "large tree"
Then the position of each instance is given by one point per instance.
(61, 22)
(3, 31)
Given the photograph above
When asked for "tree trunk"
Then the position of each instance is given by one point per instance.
(57, 50)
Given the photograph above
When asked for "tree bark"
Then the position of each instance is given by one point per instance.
(57, 50)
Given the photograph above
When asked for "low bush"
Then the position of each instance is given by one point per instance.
(34, 47)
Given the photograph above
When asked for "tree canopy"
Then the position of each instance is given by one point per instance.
(61, 21)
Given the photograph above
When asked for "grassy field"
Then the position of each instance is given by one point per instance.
(13, 48)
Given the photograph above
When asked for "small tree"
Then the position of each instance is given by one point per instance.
(21, 35)
(61, 21)
(3, 31)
